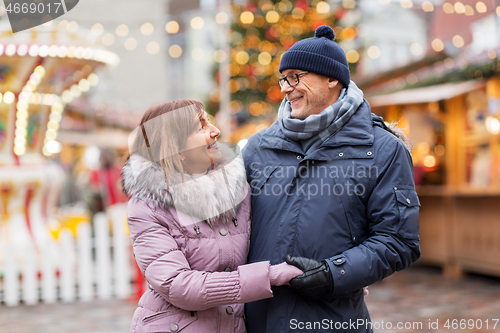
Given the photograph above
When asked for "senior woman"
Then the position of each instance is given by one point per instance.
(189, 219)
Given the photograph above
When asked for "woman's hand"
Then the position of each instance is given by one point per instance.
(281, 274)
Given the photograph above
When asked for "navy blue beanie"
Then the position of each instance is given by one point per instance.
(319, 54)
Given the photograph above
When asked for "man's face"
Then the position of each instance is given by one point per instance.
(310, 96)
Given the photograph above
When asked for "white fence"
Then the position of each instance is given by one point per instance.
(72, 269)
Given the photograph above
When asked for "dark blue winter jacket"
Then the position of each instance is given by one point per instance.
(352, 203)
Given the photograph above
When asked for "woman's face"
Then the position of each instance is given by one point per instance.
(200, 150)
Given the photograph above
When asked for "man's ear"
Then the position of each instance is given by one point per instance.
(332, 83)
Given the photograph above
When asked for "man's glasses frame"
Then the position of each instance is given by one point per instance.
(293, 77)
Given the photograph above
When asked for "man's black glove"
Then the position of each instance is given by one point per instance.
(316, 282)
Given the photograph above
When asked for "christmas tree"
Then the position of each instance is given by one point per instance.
(261, 32)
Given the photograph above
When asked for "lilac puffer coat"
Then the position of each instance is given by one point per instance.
(191, 243)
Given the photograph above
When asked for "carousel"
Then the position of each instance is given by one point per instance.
(41, 70)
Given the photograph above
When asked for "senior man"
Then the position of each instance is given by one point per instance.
(333, 194)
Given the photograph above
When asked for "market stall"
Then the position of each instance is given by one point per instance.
(454, 129)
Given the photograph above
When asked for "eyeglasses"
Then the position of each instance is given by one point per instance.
(291, 79)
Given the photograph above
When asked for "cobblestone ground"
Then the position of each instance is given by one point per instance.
(412, 296)
(422, 295)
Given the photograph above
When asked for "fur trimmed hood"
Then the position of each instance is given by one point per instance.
(209, 197)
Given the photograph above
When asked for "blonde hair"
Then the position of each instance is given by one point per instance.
(163, 132)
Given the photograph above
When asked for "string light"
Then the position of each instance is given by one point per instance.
(221, 18)
(246, 17)
(147, 29)
(175, 51)
(373, 52)
(122, 30)
(197, 22)
(458, 41)
(172, 27)
(437, 45)
(481, 7)
(427, 6)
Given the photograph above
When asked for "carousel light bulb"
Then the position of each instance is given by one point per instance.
(33, 50)
(67, 96)
(22, 50)
(45, 99)
(27, 89)
(10, 50)
(53, 51)
(20, 141)
(93, 79)
(43, 51)
(19, 150)
(35, 77)
(53, 147)
(62, 52)
(24, 97)
(55, 116)
(71, 52)
(1, 49)
(79, 52)
(20, 131)
(20, 122)
(87, 53)
(53, 125)
(40, 70)
(57, 107)
(22, 114)
(51, 134)
(84, 85)
(75, 91)
(8, 97)
(21, 105)
(53, 99)
(35, 98)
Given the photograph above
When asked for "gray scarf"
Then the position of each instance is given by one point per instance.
(316, 128)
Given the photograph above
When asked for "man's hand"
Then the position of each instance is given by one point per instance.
(316, 282)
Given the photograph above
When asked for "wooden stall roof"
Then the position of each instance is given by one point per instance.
(426, 94)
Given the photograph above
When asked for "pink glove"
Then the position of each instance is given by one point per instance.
(282, 273)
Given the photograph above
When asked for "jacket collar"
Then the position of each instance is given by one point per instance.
(219, 191)
(356, 132)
